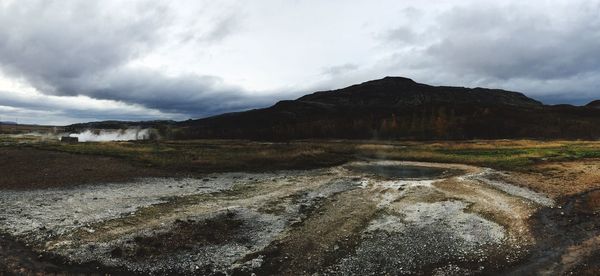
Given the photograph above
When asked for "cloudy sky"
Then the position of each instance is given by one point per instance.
(72, 61)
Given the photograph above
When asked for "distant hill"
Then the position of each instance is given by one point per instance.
(399, 92)
(594, 104)
(399, 108)
(7, 123)
(119, 125)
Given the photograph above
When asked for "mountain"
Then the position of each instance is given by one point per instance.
(119, 125)
(594, 104)
(7, 123)
(398, 91)
(399, 108)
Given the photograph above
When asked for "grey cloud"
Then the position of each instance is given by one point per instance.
(53, 44)
(221, 28)
(43, 109)
(71, 48)
(198, 96)
(335, 71)
(508, 42)
(515, 46)
(115, 50)
(403, 34)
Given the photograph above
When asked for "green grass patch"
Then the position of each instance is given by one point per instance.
(240, 155)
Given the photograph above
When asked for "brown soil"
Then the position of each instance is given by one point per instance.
(17, 258)
(185, 236)
(568, 239)
(27, 168)
(559, 179)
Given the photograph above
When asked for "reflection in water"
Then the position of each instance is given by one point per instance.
(402, 171)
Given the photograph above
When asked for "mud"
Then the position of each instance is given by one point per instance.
(568, 238)
(359, 218)
(19, 259)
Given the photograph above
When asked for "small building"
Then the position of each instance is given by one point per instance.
(69, 139)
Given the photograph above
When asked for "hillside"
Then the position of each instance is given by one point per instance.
(119, 125)
(399, 108)
(594, 104)
(402, 92)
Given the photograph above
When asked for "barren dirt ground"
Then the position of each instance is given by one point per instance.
(369, 217)
(26, 168)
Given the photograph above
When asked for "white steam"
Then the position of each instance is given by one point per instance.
(113, 135)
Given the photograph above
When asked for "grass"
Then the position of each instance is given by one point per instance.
(210, 155)
(231, 155)
(23, 129)
(501, 154)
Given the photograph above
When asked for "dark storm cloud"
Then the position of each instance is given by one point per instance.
(48, 109)
(195, 95)
(69, 48)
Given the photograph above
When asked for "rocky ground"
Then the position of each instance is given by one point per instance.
(366, 217)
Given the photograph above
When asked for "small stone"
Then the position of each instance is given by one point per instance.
(256, 263)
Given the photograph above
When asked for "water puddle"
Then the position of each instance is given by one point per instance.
(400, 172)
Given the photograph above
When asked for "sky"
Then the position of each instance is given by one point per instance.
(69, 61)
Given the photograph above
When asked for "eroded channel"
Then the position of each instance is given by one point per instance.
(369, 217)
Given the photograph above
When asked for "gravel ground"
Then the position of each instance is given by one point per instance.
(423, 237)
(56, 211)
(351, 219)
(495, 179)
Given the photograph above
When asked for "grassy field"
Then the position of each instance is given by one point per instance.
(229, 155)
(21, 129)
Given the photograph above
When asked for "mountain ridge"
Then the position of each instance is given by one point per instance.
(393, 108)
(593, 104)
(400, 108)
(407, 91)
